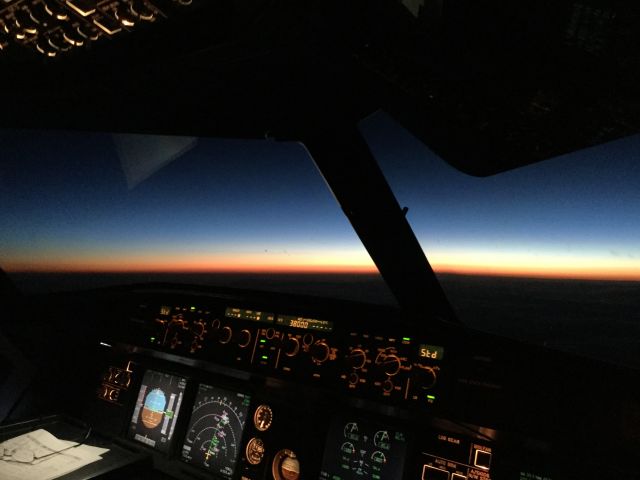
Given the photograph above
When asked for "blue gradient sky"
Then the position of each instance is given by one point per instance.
(262, 206)
(573, 216)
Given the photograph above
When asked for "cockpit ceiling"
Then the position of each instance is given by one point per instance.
(488, 87)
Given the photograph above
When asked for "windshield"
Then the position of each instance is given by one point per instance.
(547, 253)
(88, 210)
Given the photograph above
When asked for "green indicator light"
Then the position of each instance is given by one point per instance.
(193, 308)
(431, 397)
(406, 339)
(264, 357)
(153, 339)
(262, 340)
(169, 413)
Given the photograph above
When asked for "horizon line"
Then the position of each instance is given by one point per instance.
(310, 272)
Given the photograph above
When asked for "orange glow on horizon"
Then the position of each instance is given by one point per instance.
(345, 262)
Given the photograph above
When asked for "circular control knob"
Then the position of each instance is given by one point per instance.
(224, 334)
(270, 333)
(244, 338)
(426, 377)
(291, 346)
(198, 329)
(319, 352)
(353, 378)
(356, 358)
(389, 363)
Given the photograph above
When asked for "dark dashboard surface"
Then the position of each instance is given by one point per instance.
(225, 383)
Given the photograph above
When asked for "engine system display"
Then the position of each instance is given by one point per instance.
(362, 450)
(214, 434)
(156, 410)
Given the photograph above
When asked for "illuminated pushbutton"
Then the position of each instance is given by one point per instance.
(25, 23)
(125, 17)
(141, 11)
(45, 50)
(482, 459)
(57, 42)
(89, 32)
(39, 15)
(55, 10)
(434, 473)
(72, 37)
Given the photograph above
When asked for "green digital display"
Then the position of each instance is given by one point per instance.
(253, 315)
(434, 352)
(304, 323)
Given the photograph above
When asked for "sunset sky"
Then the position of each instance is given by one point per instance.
(72, 202)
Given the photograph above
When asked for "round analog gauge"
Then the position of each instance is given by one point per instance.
(378, 458)
(285, 466)
(254, 451)
(381, 439)
(262, 418)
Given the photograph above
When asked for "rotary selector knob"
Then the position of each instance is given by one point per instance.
(291, 346)
(224, 334)
(244, 338)
(426, 377)
(356, 358)
(319, 352)
(389, 363)
(198, 329)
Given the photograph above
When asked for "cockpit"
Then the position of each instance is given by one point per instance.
(260, 240)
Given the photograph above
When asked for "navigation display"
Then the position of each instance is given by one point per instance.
(157, 407)
(214, 434)
(361, 450)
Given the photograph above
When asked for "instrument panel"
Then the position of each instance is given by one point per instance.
(278, 393)
(290, 388)
(396, 367)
